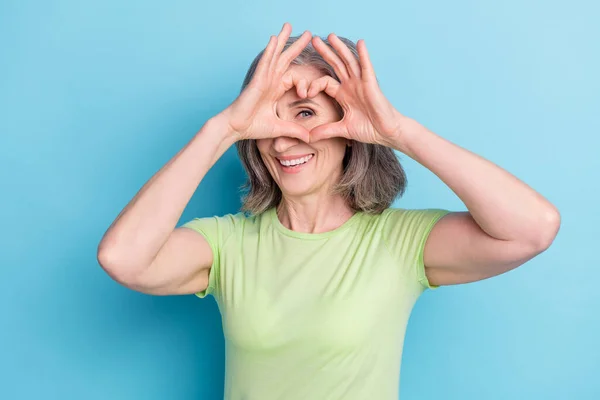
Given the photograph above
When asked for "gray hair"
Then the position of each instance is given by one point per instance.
(372, 175)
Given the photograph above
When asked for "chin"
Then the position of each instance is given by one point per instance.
(296, 189)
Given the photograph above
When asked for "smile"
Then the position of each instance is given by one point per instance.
(295, 163)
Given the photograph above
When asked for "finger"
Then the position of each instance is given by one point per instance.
(291, 129)
(302, 88)
(324, 84)
(327, 131)
(293, 51)
(282, 38)
(265, 59)
(368, 72)
(289, 80)
(332, 59)
(346, 55)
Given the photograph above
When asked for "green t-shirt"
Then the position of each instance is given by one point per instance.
(316, 316)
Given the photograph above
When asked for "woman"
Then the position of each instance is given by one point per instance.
(316, 282)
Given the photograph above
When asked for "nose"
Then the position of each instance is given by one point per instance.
(282, 143)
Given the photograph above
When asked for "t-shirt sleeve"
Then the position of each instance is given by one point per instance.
(216, 231)
(405, 234)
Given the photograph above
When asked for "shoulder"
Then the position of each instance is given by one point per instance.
(410, 222)
(224, 225)
(401, 217)
(395, 222)
(408, 215)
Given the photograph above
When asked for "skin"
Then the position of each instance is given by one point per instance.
(507, 222)
(308, 202)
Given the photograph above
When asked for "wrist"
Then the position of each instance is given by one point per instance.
(407, 132)
(219, 124)
(217, 131)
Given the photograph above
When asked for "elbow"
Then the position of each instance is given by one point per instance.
(547, 230)
(117, 265)
(109, 261)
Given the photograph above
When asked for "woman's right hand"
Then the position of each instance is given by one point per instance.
(253, 115)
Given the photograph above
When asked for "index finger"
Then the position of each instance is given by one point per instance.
(293, 51)
(331, 57)
(366, 66)
(345, 54)
(282, 39)
(290, 79)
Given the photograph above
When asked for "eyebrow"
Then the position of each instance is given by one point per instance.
(302, 101)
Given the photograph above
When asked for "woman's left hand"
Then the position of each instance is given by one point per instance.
(368, 115)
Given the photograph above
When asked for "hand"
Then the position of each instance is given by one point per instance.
(252, 115)
(368, 116)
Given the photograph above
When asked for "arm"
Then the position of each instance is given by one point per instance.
(142, 249)
(507, 223)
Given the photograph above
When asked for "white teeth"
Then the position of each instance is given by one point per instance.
(297, 161)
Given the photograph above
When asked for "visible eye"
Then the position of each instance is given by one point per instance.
(305, 113)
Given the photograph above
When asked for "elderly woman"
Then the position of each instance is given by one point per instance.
(316, 279)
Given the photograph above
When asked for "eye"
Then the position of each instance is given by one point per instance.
(305, 114)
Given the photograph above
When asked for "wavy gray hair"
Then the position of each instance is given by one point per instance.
(372, 175)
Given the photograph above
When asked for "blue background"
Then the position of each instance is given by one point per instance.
(96, 96)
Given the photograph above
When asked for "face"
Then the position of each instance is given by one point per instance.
(297, 167)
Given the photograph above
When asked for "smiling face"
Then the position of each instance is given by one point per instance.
(297, 167)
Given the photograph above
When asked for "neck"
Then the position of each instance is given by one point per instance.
(314, 214)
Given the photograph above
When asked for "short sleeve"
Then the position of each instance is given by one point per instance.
(405, 235)
(216, 230)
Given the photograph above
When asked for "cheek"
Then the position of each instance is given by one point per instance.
(263, 145)
(335, 150)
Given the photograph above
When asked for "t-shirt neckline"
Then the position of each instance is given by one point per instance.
(272, 213)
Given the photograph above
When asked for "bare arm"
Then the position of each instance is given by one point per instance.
(507, 224)
(142, 249)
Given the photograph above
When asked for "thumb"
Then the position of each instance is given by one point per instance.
(327, 131)
(291, 129)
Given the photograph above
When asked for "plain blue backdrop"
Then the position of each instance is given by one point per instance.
(96, 96)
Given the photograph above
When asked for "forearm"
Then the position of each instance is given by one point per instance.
(502, 205)
(144, 225)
